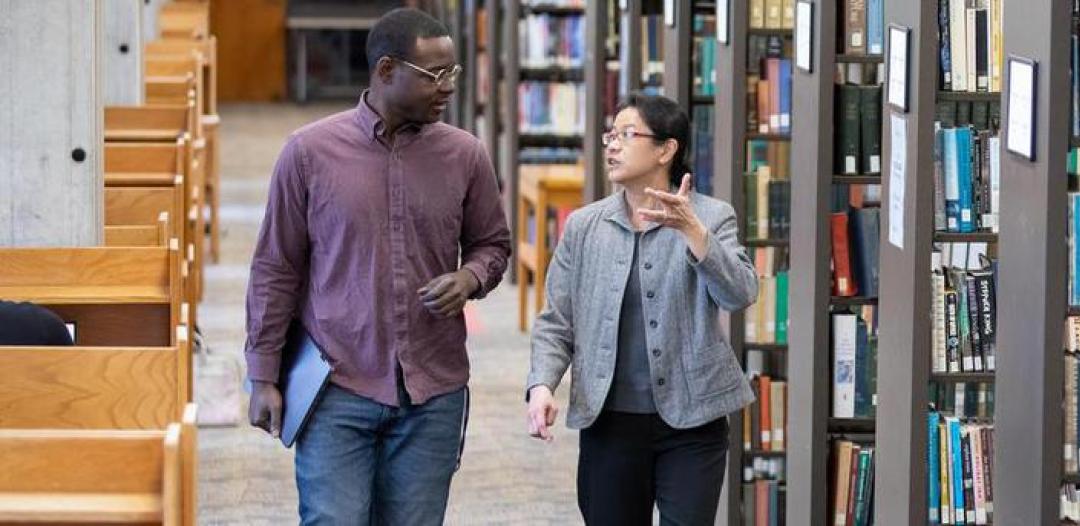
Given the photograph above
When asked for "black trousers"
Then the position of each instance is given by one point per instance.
(627, 462)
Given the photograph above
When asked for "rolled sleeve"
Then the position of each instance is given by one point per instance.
(726, 268)
(278, 267)
(485, 236)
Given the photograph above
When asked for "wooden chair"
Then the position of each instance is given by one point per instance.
(542, 187)
(184, 20)
(170, 124)
(138, 235)
(174, 57)
(91, 476)
(100, 476)
(158, 123)
(170, 90)
(115, 296)
(92, 387)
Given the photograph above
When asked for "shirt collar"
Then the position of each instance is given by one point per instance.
(371, 123)
(616, 211)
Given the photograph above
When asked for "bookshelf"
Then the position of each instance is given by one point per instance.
(907, 350)
(1032, 276)
(732, 175)
(822, 184)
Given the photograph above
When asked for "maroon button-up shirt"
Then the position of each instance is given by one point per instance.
(356, 223)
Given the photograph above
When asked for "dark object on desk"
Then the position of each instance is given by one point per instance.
(30, 324)
(304, 375)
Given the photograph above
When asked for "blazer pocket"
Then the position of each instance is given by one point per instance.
(713, 371)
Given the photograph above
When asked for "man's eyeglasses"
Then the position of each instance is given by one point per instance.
(443, 76)
(623, 136)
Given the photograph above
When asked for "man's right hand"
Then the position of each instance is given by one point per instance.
(264, 411)
(542, 412)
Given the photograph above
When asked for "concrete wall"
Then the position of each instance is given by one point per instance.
(122, 53)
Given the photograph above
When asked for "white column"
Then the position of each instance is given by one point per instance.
(150, 15)
(122, 55)
(51, 181)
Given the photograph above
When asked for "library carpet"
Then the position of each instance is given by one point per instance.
(247, 478)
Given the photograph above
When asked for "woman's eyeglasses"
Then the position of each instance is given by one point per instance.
(622, 135)
(443, 76)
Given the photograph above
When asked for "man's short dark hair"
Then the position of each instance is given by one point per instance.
(395, 34)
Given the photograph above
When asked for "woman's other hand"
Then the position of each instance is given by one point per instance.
(542, 412)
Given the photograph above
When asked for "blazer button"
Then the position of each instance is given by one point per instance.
(660, 382)
(648, 266)
(656, 352)
(650, 294)
(652, 323)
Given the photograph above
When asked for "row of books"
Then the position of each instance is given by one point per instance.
(858, 125)
(963, 399)
(971, 53)
(961, 461)
(1070, 503)
(981, 115)
(759, 110)
(554, 3)
(854, 366)
(851, 484)
(704, 64)
(652, 50)
(702, 150)
(964, 309)
(1072, 404)
(549, 155)
(772, 14)
(1074, 249)
(766, 321)
(551, 108)
(759, 467)
(855, 234)
(864, 27)
(967, 180)
(1074, 74)
(765, 421)
(771, 96)
(767, 205)
(764, 502)
(552, 41)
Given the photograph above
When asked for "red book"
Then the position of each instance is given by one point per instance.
(773, 73)
(843, 283)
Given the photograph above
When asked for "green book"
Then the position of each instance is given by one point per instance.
(847, 143)
(946, 113)
(751, 205)
(782, 307)
(963, 113)
(870, 100)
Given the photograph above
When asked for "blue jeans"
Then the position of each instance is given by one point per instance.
(359, 462)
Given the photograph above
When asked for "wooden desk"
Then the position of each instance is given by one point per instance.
(542, 187)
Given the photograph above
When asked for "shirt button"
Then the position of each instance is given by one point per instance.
(648, 266)
(656, 352)
(652, 323)
(650, 294)
(660, 382)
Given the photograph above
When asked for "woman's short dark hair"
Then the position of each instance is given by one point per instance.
(395, 34)
(667, 121)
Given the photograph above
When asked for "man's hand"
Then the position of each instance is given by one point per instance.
(265, 408)
(446, 295)
(542, 412)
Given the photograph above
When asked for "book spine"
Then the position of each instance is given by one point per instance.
(933, 470)
(944, 47)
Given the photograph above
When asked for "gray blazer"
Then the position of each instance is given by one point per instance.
(696, 377)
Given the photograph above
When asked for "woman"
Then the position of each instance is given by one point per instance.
(635, 292)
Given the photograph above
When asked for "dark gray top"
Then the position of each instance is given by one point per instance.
(631, 388)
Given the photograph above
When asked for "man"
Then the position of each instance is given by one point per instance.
(369, 212)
